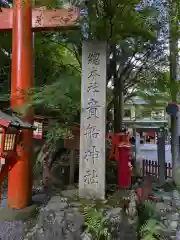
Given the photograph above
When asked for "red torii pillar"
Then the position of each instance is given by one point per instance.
(22, 20)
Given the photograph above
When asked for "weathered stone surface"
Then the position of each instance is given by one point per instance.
(60, 219)
(115, 217)
(40, 198)
(86, 236)
(168, 211)
(93, 120)
(57, 203)
(75, 204)
(70, 193)
(163, 208)
(63, 224)
(57, 221)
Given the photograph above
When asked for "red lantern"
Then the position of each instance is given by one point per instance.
(8, 140)
(10, 135)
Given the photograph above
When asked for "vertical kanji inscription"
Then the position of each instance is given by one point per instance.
(93, 120)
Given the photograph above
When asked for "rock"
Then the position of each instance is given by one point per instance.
(86, 236)
(173, 225)
(38, 187)
(114, 212)
(115, 217)
(57, 203)
(41, 198)
(58, 199)
(71, 193)
(75, 206)
(167, 197)
(169, 213)
(57, 221)
(173, 221)
(56, 206)
(76, 219)
(70, 187)
(176, 198)
(59, 225)
(163, 208)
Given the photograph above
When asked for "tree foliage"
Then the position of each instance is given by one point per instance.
(134, 26)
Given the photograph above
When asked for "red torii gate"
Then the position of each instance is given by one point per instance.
(22, 20)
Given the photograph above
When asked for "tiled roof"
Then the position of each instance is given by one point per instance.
(13, 120)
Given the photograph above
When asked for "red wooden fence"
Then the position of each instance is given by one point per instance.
(151, 168)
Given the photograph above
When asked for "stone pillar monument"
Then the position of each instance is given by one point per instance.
(93, 121)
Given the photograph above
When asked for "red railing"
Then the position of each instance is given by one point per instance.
(151, 168)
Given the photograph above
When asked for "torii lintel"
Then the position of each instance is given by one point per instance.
(43, 20)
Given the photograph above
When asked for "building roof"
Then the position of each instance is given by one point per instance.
(8, 118)
(40, 112)
(146, 123)
(138, 101)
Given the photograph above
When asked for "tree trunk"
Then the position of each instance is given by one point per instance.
(121, 102)
(174, 147)
(118, 96)
(43, 163)
(173, 44)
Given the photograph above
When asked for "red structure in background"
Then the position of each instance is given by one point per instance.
(121, 151)
(149, 136)
(10, 142)
(22, 20)
(145, 193)
(41, 123)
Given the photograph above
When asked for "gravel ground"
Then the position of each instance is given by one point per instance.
(10, 230)
(17, 230)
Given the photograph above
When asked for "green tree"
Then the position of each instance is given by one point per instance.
(133, 40)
